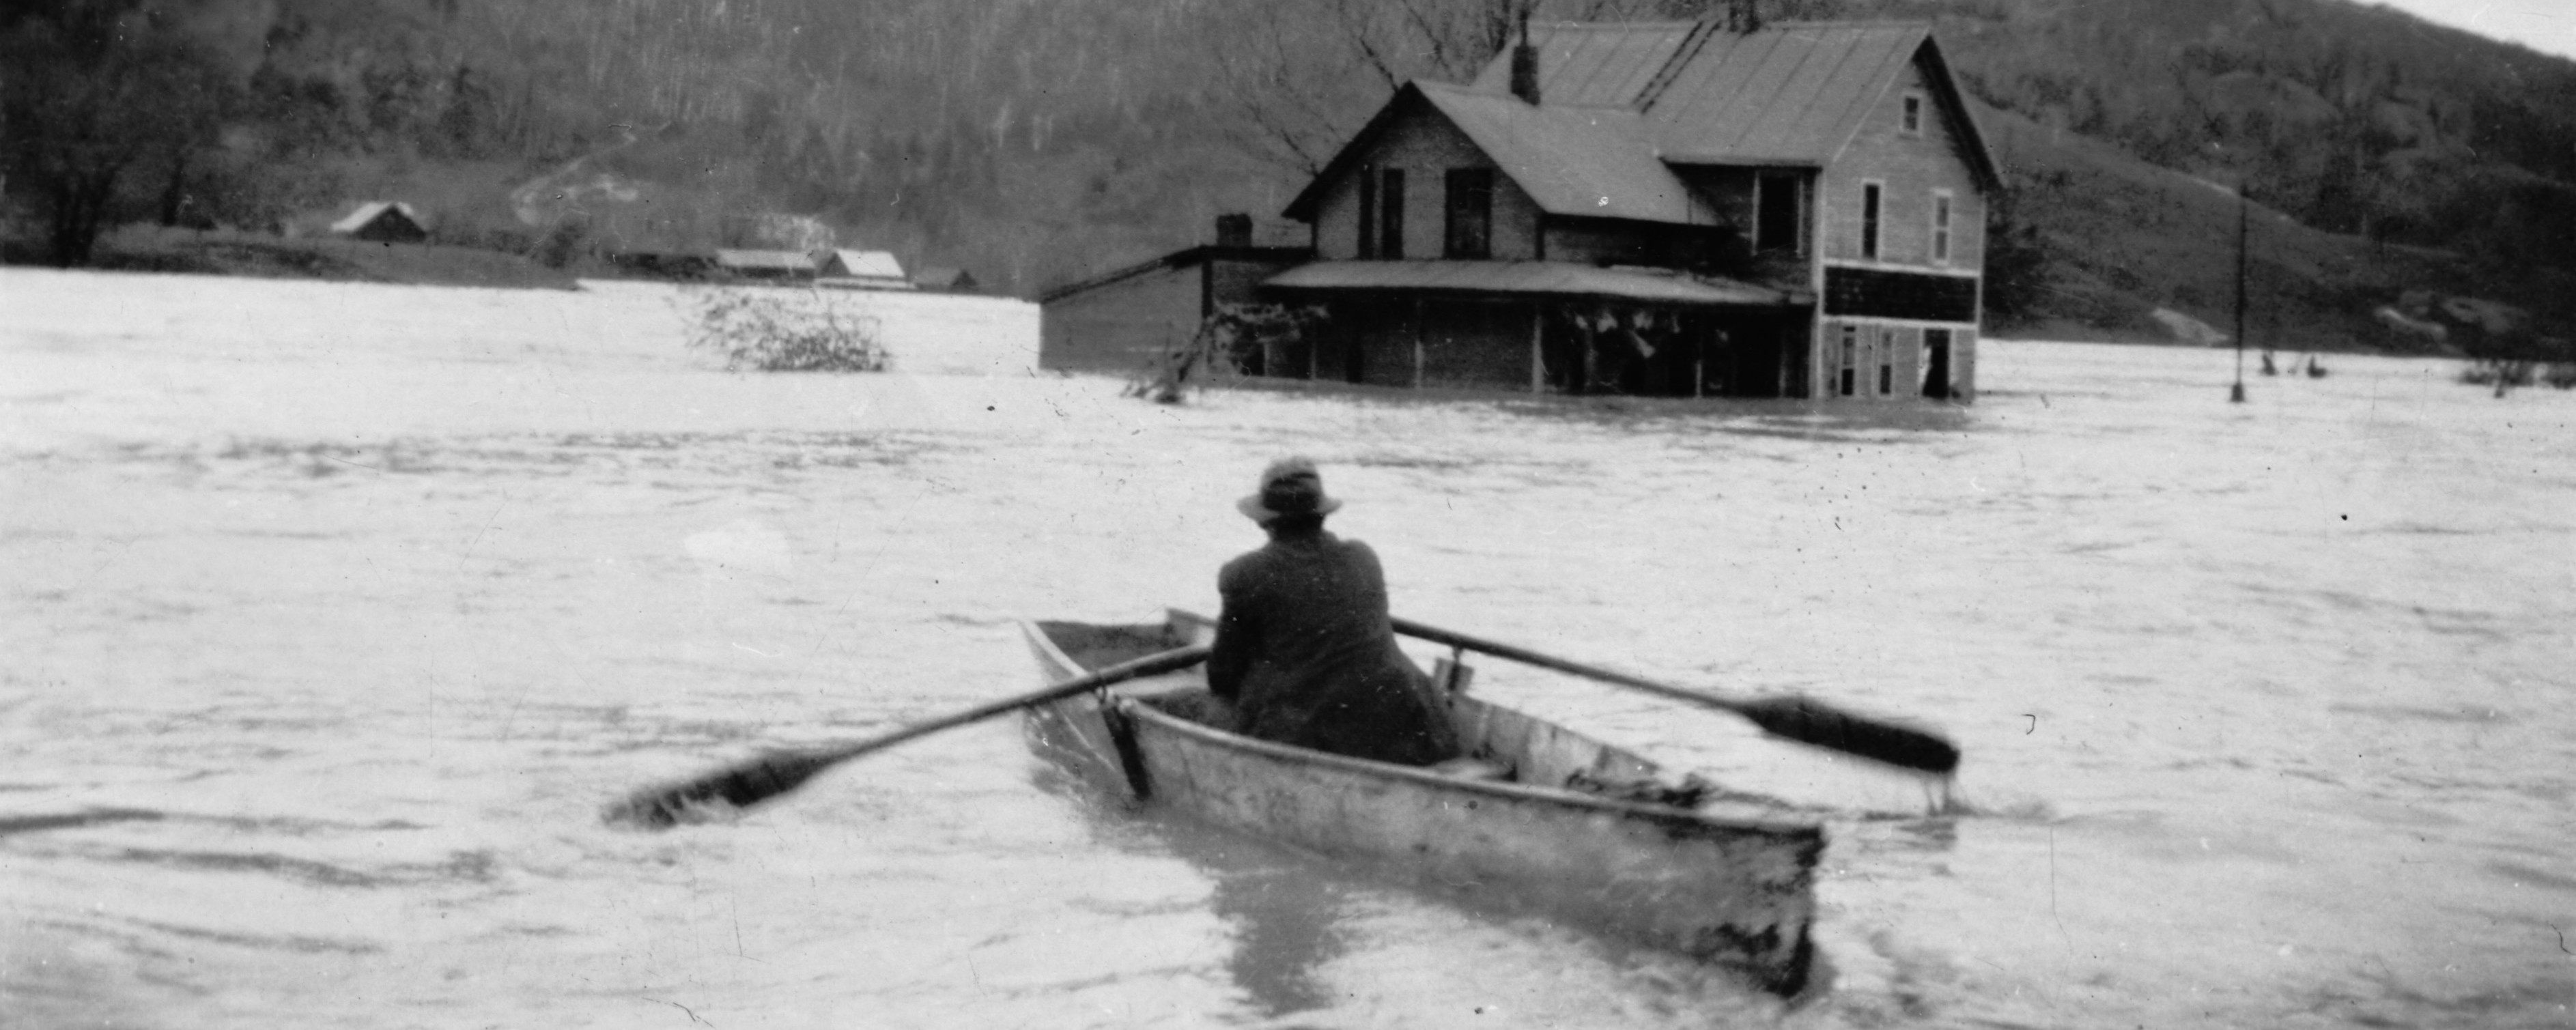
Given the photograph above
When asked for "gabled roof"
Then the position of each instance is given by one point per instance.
(1591, 162)
(370, 211)
(1790, 93)
(864, 263)
(1596, 162)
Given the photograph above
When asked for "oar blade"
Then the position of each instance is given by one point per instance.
(740, 786)
(1809, 721)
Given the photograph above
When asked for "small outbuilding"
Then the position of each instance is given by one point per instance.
(946, 280)
(771, 265)
(1120, 320)
(382, 221)
(860, 270)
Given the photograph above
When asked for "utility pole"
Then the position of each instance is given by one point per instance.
(2236, 395)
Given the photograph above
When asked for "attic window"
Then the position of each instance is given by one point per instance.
(1470, 214)
(1912, 120)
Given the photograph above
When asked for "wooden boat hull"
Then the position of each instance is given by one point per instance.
(1732, 887)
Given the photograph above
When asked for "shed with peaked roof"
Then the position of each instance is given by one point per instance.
(382, 221)
(860, 269)
(942, 279)
(1120, 320)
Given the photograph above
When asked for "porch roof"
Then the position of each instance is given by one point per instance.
(1528, 278)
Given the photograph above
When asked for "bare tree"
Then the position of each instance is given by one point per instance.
(1318, 68)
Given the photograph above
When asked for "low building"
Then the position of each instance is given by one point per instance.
(1122, 319)
(767, 265)
(939, 279)
(382, 221)
(860, 270)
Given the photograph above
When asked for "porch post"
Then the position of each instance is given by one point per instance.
(1417, 343)
(1590, 362)
(1538, 354)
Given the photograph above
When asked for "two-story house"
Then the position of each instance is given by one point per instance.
(1675, 209)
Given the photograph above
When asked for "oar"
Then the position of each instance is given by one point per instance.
(778, 772)
(1802, 719)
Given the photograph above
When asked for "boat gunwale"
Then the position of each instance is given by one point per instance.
(1523, 792)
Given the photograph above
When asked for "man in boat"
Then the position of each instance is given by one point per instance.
(1304, 650)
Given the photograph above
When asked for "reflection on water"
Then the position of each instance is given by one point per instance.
(1285, 916)
(1282, 910)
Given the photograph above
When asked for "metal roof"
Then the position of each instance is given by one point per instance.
(865, 263)
(369, 211)
(1529, 278)
(1790, 93)
(1596, 162)
(1589, 64)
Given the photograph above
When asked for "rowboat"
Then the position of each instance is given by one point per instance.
(1539, 819)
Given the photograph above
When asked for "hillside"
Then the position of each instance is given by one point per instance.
(1035, 143)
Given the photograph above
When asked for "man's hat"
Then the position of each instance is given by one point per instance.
(1290, 486)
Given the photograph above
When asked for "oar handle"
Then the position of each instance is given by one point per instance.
(1525, 656)
(1154, 664)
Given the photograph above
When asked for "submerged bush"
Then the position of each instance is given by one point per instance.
(2503, 374)
(775, 329)
(1229, 342)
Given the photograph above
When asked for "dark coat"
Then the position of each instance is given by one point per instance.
(1306, 654)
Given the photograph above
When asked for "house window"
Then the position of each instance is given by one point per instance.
(1778, 203)
(1941, 227)
(1390, 223)
(1851, 360)
(1912, 119)
(1368, 213)
(1471, 214)
(1869, 201)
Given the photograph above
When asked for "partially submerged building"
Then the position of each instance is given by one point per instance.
(860, 270)
(942, 279)
(1122, 319)
(767, 265)
(1707, 208)
(1691, 209)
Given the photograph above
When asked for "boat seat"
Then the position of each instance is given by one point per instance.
(1475, 769)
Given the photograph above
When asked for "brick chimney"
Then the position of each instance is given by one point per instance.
(1525, 65)
(1234, 230)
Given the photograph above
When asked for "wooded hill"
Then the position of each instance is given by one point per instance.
(1037, 142)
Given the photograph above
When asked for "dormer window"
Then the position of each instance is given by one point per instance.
(1911, 121)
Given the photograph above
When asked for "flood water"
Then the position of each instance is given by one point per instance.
(333, 613)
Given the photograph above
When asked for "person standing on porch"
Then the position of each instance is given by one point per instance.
(1305, 652)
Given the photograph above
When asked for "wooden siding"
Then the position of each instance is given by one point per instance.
(1425, 146)
(1912, 166)
(1120, 326)
(1481, 344)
